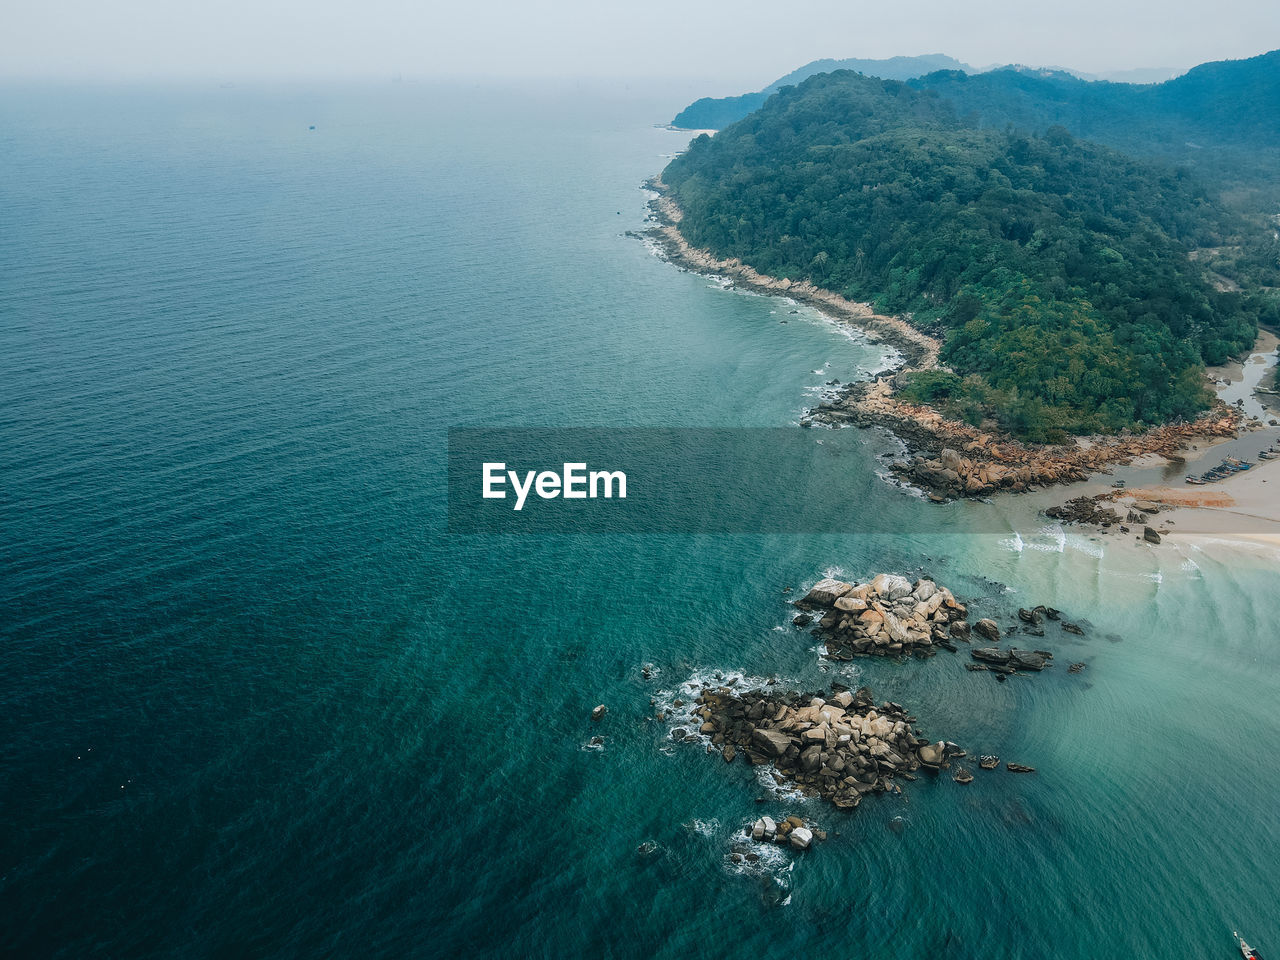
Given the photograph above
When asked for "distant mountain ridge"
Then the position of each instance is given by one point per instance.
(1220, 118)
(715, 113)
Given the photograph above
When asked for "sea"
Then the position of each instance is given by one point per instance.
(258, 700)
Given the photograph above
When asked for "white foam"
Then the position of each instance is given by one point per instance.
(687, 692)
(705, 828)
(783, 791)
(771, 861)
(1013, 544)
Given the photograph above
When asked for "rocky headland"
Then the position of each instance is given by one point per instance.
(947, 458)
(950, 458)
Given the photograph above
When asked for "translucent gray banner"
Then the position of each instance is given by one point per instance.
(685, 480)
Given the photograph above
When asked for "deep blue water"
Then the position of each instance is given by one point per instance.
(255, 701)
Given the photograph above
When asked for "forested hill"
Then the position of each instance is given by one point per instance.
(1058, 270)
(715, 113)
(1221, 119)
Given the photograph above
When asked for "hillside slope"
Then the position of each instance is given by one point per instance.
(1058, 270)
(1221, 119)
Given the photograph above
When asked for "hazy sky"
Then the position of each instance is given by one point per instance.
(733, 45)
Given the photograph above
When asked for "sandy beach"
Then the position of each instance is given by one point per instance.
(1246, 504)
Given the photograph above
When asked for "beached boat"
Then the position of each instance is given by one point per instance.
(1246, 951)
(1196, 480)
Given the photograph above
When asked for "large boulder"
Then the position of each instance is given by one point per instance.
(851, 604)
(811, 758)
(891, 587)
(1150, 535)
(933, 754)
(826, 592)
(816, 734)
(764, 829)
(800, 838)
(897, 632)
(773, 743)
(987, 628)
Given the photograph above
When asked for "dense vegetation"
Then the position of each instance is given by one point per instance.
(715, 113)
(1221, 119)
(1057, 270)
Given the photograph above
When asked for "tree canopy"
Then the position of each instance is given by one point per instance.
(1058, 271)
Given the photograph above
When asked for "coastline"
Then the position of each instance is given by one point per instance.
(948, 459)
(919, 349)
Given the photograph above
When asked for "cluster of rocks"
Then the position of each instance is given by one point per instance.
(792, 831)
(841, 747)
(1011, 660)
(1085, 510)
(951, 474)
(955, 459)
(888, 616)
(1091, 510)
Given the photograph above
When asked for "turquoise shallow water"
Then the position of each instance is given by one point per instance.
(257, 702)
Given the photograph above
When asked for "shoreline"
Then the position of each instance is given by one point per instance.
(919, 350)
(947, 459)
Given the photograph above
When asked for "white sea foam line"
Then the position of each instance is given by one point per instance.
(1081, 544)
(1013, 544)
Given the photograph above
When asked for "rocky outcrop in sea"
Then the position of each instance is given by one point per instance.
(840, 747)
(887, 616)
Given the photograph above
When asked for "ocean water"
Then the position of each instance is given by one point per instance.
(256, 701)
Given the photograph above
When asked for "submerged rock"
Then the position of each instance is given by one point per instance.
(1027, 660)
(990, 655)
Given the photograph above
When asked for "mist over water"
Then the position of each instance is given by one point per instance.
(258, 702)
